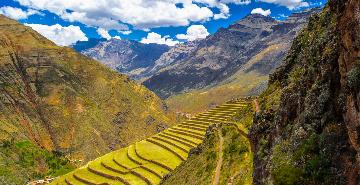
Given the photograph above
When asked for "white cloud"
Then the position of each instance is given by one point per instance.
(222, 6)
(224, 12)
(128, 32)
(238, 2)
(62, 36)
(103, 33)
(290, 4)
(117, 37)
(110, 14)
(158, 39)
(17, 13)
(261, 11)
(142, 14)
(194, 32)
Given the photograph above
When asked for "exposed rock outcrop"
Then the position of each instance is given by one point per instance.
(308, 129)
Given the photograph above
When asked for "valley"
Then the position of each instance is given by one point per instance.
(192, 76)
(115, 94)
(149, 160)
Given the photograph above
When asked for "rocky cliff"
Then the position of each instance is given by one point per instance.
(307, 131)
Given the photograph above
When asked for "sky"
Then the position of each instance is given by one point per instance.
(148, 21)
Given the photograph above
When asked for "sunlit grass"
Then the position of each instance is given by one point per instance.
(149, 160)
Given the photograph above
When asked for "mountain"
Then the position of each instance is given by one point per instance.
(126, 56)
(239, 57)
(170, 58)
(57, 102)
(308, 128)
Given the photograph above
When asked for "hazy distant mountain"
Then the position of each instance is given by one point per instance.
(255, 45)
(126, 56)
(170, 58)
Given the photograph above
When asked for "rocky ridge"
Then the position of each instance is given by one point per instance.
(307, 131)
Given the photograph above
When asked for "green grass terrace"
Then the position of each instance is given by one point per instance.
(148, 161)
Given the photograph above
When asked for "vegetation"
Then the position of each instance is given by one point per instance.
(196, 101)
(22, 161)
(200, 166)
(354, 77)
(300, 129)
(149, 160)
(237, 158)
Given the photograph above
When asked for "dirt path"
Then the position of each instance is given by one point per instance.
(257, 107)
(231, 181)
(220, 160)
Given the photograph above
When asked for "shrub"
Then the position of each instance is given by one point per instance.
(318, 168)
(354, 78)
(287, 175)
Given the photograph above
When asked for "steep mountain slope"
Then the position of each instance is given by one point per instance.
(62, 101)
(126, 56)
(308, 129)
(221, 55)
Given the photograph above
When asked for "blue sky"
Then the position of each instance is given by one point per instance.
(149, 21)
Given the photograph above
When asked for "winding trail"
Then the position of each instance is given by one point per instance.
(220, 160)
(231, 181)
(257, 107)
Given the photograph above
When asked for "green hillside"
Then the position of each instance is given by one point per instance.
(236, 167)
(62, 102)
(149, 160)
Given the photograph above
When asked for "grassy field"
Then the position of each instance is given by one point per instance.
(150, 160)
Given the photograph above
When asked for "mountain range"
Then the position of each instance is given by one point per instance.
(129, 57)
(254, 45)
(235, 61)
(60, 109)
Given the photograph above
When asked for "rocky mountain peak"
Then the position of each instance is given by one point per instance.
(254, 21)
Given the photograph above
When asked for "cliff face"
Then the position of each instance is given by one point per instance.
(349, 64)
(308, 129)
